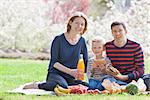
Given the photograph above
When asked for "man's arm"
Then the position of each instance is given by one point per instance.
(139, 64)
(139, 67)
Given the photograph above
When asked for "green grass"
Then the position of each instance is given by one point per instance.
(15, 72)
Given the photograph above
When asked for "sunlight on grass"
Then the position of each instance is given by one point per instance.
(15, 72)
(147, 65)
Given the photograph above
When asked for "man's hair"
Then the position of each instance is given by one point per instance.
(117, 23)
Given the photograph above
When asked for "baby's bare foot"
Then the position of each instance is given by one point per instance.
(107, 84)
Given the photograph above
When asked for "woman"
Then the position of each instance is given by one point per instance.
(65, 53)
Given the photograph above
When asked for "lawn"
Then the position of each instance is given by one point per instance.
(15, 72)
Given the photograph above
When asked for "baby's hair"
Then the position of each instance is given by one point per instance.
(98, 39)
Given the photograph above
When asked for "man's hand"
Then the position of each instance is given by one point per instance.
(112, 71)
(121, 77)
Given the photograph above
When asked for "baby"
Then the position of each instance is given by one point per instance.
(99, 66)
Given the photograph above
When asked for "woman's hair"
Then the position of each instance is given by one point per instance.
(75, 15)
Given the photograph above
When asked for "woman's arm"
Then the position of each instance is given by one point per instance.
(65, 69)
(55, 50)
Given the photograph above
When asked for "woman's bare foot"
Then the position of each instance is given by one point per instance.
(33, 85)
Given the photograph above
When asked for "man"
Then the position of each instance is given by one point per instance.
(125, 55)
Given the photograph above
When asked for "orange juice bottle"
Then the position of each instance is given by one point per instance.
(81, 68)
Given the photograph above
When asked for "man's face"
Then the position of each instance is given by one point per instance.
(118, 32)
(97, 48)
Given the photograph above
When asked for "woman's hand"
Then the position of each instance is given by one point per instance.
(73, 72)
(60, 67)
(78, 74)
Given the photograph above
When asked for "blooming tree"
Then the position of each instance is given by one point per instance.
(136, 18)
(63, 9)
(30, 25)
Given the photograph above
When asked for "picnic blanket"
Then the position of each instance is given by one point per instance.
(20, 90)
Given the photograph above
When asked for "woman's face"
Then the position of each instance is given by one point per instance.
(78, 25)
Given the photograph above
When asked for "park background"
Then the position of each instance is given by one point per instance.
(27, 27)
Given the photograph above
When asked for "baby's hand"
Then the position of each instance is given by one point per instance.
(100, 61)
(94, 65)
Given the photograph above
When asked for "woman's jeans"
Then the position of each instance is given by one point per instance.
(54, 79)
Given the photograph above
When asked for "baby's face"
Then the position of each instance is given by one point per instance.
(97, 48)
